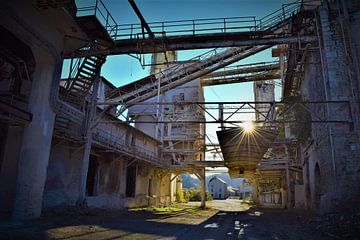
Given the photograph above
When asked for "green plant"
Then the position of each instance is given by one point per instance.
(180, 198)
(194, 194)
(298, 116)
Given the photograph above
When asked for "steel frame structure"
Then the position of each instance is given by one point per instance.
(271, 115)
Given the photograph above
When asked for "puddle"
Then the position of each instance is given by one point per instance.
(212, 225)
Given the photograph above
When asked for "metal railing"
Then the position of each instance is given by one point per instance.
(188, 27)
(102, 13)
(116, 143)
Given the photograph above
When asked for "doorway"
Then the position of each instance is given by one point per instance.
(317, 190)
(92, 176)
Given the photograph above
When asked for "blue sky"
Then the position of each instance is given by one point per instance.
(124, 69)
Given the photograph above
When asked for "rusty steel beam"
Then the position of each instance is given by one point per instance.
(207, 163)
(17, 113)
(142, 19)
(190, 42)
(243, 70)
(231, 80)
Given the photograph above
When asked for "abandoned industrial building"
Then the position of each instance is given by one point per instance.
(70, 136)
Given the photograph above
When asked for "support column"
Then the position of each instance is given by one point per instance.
(200, 174)
(255, 191)
(288, 197)
(91, 113)
(203, 188)
(36, 142)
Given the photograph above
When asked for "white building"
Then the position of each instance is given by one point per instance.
(218, 188)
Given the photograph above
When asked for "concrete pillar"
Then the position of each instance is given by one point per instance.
(91, 114)
(36, 142)
(203, 188)
(255, 192)
(288, 196)
(9, 169)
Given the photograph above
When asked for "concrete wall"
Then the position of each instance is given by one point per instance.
(63, 178)
(110, 192)
(264, 91)
(62, 185)
(9, 168)
(335, 148)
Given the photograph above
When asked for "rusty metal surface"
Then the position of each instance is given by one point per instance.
(244, 149)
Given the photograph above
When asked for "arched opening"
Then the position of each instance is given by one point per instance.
(317, 192)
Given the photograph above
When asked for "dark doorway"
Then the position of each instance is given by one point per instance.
(317, 186)
(91, 181)
(130, 181)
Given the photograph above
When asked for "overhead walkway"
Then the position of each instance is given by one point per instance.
(189, 34)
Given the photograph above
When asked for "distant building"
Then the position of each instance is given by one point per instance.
(245, 189)
(233, 191)
(218, 188)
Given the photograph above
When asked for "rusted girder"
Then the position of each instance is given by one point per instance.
(200, 41)
(244, 70)
(230, 80)
(142, 19)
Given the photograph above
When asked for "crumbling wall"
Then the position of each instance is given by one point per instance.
(63, 175)
(335, 147)
(141, 189)
(111, 183)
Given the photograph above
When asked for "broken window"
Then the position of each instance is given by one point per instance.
(91, 181)
(130, 181)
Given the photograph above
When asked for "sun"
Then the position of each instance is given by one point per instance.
(248, 126)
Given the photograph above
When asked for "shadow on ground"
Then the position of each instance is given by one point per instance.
(187, 223)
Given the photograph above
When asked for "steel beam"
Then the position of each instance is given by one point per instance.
(231, 80)
(190, 42)
(142, 19)
(244, 70)
(17, 113)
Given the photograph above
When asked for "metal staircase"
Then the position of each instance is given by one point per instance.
(180, 74)
(78, 87)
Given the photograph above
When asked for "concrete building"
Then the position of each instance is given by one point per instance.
(218, 188)
(330, 156)
(181, 142)
(46, 157)
(62, 143)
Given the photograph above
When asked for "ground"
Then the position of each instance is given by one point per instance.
(223, 219)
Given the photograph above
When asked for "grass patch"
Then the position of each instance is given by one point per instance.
(171, 209)
(160, 210)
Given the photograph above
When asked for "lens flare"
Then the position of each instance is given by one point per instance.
(248, 126)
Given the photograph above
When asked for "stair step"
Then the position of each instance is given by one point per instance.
(80, 87)
(84, 80)
(88, 78)
(92, 64)
(97, 60)
(77, 87)
(88, 68)
(82, 70)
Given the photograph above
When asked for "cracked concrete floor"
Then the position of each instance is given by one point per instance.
(225, 219)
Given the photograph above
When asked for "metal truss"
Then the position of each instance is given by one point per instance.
(271, 112)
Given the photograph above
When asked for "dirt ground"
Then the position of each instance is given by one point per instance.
(224, 219)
